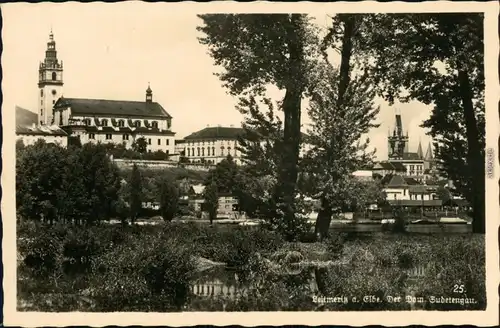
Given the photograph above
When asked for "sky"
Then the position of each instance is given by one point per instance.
(112, 51)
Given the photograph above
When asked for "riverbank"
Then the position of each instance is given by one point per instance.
(156, 268)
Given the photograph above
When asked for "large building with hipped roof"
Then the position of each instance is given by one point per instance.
(98, 120)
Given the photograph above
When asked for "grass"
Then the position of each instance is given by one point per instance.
(151, 268)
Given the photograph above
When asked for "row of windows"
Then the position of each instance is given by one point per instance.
(121, 123)
(209, 142)
(109, 136)
(191, 151)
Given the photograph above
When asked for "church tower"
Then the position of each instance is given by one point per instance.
(398, 141)
(50, 82)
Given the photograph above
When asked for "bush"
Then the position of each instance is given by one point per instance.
(335, 244)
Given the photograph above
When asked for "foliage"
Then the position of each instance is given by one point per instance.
(211, 197)
(438, 60)
(443, 193)
(140, 145)
(141, 268)
(135, 193)
(257, 50)
(337, 147)
(74, 184)
(224, 175)
(169, 199)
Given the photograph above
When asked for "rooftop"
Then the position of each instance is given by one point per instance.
(102, 107)
(217, 132)
(45, 130)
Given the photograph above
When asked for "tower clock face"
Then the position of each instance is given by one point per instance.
(54, 92)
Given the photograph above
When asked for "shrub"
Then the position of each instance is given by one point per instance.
(335, 244)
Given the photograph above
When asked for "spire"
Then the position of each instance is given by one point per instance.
(428, 153)
(419, 150)
(149, 94)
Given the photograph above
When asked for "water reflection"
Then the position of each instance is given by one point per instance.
(227, 283)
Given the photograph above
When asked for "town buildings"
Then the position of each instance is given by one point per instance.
(400, 160)
(98, 120)
(212, 144)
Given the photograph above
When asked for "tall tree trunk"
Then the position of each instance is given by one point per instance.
(287, 178)
(475, 158)
(323, 220)
(325, 213)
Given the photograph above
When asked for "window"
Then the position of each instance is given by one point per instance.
(198, 150)
(168, 142)
(41, 112)
(104, 122)
(41, 92)
(137, 124)
(91, 136)
(149, 141)
(155, 124)
(189, 151)
(87, 121)
(54, 76)
(125, 137)
(41, 102)
(167, 151)
(53, 102)
(203, 151)
(159, 142)
(109, 136)
(121, 123)
(192, 151)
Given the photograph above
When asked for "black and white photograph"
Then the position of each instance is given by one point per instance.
(234, 158)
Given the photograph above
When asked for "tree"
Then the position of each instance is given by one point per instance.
(342, 111)
(405, 52)
(75, 184)
(443, 193)
(140, 145)
(135, 193)
(100, 180)
(169, 199)
(39, 176)
(210, 195)
(261, 49)
(224, 174)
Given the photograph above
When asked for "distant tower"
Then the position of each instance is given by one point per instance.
(420, 153)
(398, 141)
(429, 158)
(149, 94)
(50, 82)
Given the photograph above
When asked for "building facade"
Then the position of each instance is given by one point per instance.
(29, 135)
(118, 122)
(100, 120)
(211, 145)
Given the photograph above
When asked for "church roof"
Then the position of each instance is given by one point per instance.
(420, 153)
(102, 107)
(428, 153)
(217, 132)
(25, 117)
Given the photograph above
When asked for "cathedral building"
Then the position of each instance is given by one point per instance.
(100, 120)
(415, 165)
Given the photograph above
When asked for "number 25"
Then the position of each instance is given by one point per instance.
(460, 289)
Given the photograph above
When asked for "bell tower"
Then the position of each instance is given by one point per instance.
(398, 141)
(50, 82)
